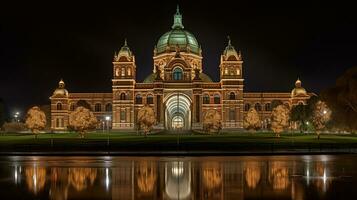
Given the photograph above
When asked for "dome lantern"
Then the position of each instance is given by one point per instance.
(177, 36)
(298, 90)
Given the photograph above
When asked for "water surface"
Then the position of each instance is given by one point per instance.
(129, 178)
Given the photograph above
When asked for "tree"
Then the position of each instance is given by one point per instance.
(35, 120)
(212, 121)
(84, 104)
(47, 110)
(279, 119)
(146, 118)
(298, 114)
(342, 100)
(275, 103)
(252, 120)
(321, 116)
(81, 120)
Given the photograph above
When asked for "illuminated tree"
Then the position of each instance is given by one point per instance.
(321, 116)
(35, 120)
(212, 121)
(146, 118)
(82, 120)
(252, 120)
(279, 119)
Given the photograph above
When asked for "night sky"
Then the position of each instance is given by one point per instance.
(41, 43)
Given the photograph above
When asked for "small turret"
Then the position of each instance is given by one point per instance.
(60, 91)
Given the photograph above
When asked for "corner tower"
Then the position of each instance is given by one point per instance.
(232, 87)
(123, 84)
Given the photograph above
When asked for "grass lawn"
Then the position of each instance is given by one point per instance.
(130, 141)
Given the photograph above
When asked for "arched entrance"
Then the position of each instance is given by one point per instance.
(178, 112)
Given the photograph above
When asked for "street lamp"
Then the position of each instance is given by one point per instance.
(16, 116)
(107, 118)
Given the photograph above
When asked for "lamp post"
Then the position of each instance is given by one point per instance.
(107, 118)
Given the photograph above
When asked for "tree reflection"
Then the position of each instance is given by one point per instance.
(59, 184)
(212, 175)
(81, 178)
(35, 178)
(278, 175)
(252, 173)
(146, 176)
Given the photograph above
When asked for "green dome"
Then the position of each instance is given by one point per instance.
(178, 37)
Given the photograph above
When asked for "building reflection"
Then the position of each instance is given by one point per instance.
(178, 179)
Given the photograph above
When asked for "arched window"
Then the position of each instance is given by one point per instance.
(149, 99)
(97, 107)
(217, 99)
(258, 107)
(72, 106)
(122, 71)
(177, 73)
(238, 72)
(226, 71)
(232, 114)
(129, 71)
(108, 107)
(205, 99)
(246, 107)
(59, 106)
(232, 96)
(123, 96)
(268, 107)
(138, 99)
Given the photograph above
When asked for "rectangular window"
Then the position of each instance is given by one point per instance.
(122, 115)
(232, 114)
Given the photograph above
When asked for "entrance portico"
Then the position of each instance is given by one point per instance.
(178, 112)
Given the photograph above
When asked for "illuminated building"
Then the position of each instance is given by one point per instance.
(179, 91)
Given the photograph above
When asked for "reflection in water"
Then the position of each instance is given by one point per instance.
(186, 178)
(81, 178)
(279, 175)
(146, 176)
(35, 178)
(177, 180)
(252, 173)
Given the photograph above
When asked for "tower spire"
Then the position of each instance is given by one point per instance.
(229, 41)
(177, 19)
(125, 43)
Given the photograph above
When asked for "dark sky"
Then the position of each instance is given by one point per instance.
(41, 43)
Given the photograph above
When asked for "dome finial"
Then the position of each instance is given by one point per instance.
(298, 83)
(61, 84)
(229, 41)
(125, 43)
(177, 19)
